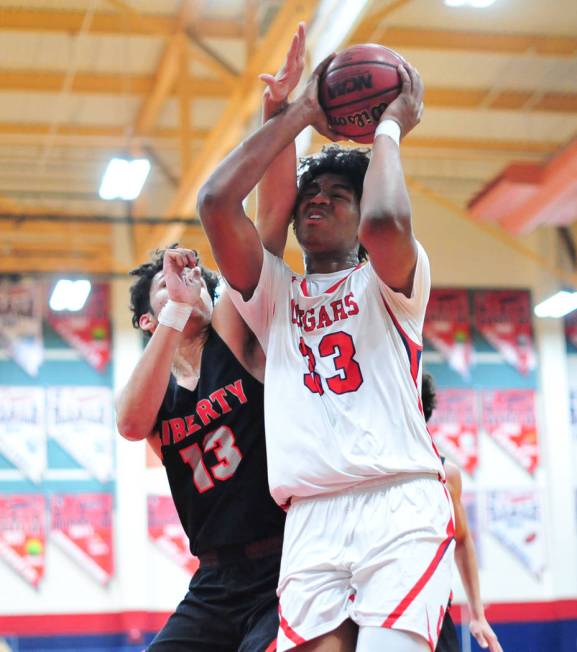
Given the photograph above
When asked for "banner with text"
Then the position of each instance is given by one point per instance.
(514, 518)
(23, 430)
(571, 328)
(88, 330)
(23, 535)
(448, 328)
(21, 323)
(454, 427)
(503, 317)
(509, 419)
(80, 420)
(165, 530)
(81, 525)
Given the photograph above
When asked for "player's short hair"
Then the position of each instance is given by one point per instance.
(428, 395)
(140, 289)
(351, 163)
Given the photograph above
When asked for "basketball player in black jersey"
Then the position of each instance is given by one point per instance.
(464, 554)
(196, 395)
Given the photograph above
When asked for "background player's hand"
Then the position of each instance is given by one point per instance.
(407, 108)
(285, 81)
(309, 99)
(182, 275)
(484, 635)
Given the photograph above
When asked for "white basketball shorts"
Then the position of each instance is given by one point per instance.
(380, 554)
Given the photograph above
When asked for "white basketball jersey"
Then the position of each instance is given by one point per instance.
(342, 379)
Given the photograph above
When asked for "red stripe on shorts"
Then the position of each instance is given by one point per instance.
(425, 577)
(288, 630)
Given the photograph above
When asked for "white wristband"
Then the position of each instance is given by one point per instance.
(389, 128)
(174, 314)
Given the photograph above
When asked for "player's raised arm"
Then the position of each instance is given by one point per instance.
(138, 403)
(277, 190)
(385, 229)
(466, 560)
(235, 242)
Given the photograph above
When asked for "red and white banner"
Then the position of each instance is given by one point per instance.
(448, 327)
(21, 323)
(571, 328)
(509, 418)
(23, 430)
(454, 427)
(23, 536)
(514, 518)
(80, 420)
(165, 530)
(503, 317)
(88, 330)
(81, 525)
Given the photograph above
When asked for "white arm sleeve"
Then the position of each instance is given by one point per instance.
(411, 309)
(258, 311)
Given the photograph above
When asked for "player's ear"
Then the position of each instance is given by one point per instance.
(147, 322)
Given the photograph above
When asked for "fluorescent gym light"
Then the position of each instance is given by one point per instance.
(558, 305)
(69, 295)
(477, 4)
(123, 179)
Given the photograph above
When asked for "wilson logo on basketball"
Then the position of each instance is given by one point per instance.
(350, 85)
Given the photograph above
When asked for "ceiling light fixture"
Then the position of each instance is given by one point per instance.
(69, 295)
(124, 178)
(476, 4)
(558, 305)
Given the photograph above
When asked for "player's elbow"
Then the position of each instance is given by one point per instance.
(129, 429)
(211, 204)
(380, 226)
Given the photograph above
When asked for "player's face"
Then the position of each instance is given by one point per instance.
(327, 215)
(202, 310)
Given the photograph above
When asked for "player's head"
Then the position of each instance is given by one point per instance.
(428, 395)
(327, 210)
(147, 294)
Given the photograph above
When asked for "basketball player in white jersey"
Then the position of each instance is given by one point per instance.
(369, 531)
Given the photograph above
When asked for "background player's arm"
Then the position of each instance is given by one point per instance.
(466, 559)
(277, 190)
(138, 403)
(385, 229)
(234, 238)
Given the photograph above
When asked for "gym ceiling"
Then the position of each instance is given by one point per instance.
(176, 81)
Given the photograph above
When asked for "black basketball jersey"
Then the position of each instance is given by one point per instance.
(213, 448)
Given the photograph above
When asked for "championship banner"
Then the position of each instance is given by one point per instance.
(448, 328)
(571, 328)
(81, 525)
(80, 420)
(165, 530)
(454, 427)
(23, 430)
(21, 323)
(23, 535)
(88, 330)
(514, 518)
(509, 418)
(503, 317)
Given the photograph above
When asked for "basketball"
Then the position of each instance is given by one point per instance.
(356, 88)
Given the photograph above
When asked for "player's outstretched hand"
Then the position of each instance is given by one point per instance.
(310, 101)
(280, 86)
(182, 275)
(407, 108)
(484, 635)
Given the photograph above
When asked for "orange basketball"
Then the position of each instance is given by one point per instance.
(356, 88)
